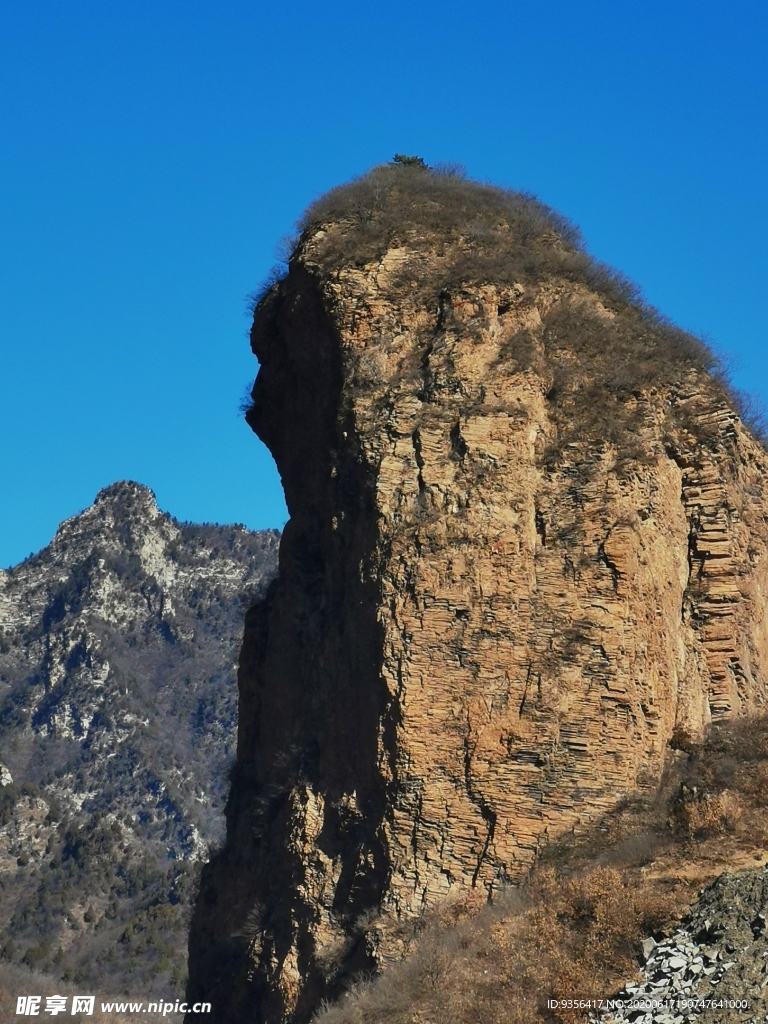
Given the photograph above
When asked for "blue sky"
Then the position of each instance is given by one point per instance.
(154, 155)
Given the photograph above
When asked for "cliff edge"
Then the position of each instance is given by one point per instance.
(526, 548)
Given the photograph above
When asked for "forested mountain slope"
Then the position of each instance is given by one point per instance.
(118, 706)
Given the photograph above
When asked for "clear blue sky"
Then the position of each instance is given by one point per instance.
(154, 154)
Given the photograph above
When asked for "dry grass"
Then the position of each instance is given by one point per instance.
(470, 233)
(574, 928)
(556, 938)
(459, 233)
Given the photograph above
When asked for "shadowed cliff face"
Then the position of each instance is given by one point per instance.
(513, 568)
(314, 710)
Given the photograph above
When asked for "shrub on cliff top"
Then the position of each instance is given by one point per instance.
(409, 161)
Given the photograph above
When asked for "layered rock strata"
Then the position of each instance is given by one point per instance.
(491, 615)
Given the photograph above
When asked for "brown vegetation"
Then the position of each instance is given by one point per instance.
(507, 236)
(573, 929)
(457, 233)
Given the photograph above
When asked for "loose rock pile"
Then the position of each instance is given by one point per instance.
(714, 969)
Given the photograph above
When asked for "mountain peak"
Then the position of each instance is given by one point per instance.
(118, 512)
(127, 493)
(117, 706)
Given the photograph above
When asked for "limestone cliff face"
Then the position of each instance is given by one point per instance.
(501, 591)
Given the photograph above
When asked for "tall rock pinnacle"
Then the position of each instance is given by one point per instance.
(527, 543)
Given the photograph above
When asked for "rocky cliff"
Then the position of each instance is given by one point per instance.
(118, 643)
(527, 549)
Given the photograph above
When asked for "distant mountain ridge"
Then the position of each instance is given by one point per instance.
(118, 705)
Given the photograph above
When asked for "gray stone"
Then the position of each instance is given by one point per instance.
(648, 946)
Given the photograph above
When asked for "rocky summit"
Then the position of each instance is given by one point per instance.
(118, 645)
(527, 549)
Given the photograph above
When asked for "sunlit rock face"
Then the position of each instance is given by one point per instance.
(517, 562)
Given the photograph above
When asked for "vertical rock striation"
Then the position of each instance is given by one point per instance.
(527, 544)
